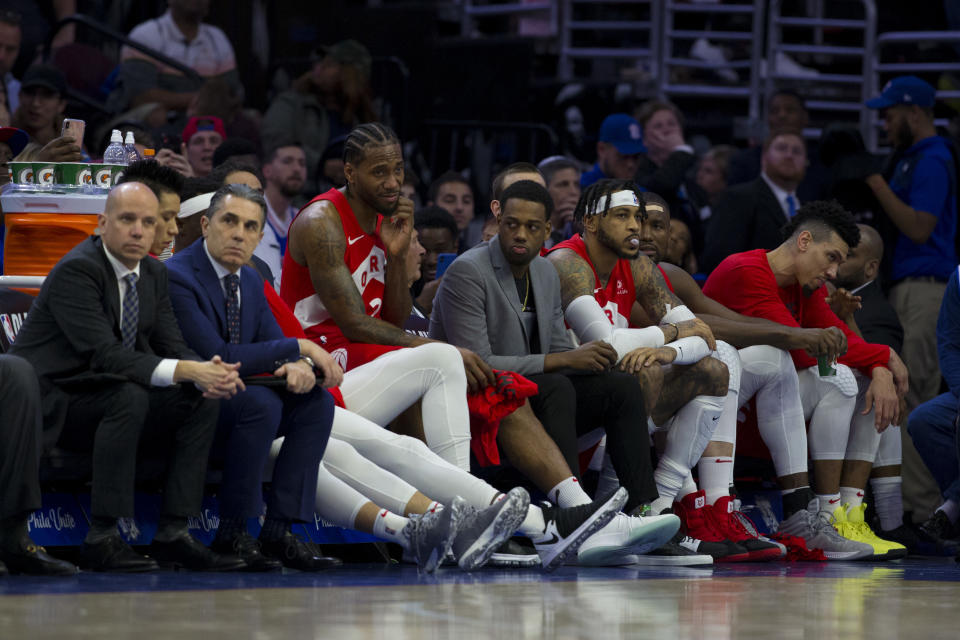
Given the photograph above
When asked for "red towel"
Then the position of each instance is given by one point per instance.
(491, 405)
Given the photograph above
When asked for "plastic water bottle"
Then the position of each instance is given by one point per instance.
(131, 149)
(115, 152)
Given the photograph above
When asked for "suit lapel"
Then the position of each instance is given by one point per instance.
(543, 300)
(111, 289)
(770, 205)
(505, 278)
(207, 278)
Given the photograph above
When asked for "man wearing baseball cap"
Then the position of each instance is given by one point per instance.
(921, 202)
(201, 137)
(619, 145)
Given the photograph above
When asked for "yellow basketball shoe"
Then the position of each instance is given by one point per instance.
(893, 550)
(852, 531)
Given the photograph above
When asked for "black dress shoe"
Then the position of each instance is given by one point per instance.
(115, 555)
(34, 560)
(187, 552)
(295, 554)
(248, 548)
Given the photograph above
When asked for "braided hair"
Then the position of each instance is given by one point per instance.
(602, 190)
(365, 135)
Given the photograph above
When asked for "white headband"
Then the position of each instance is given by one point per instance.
(196, 204)
(617, 199)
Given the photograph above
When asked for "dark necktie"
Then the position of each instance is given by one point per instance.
(130, 319)
(233, 308)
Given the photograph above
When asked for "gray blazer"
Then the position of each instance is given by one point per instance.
(477, 307)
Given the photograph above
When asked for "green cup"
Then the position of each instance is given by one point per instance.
(826, 367)
(118, 171)
(22, 172)
(73, 173)
(44, 173)
(102, 175)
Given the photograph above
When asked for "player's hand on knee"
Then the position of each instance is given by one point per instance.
(638, 359)
(882, 398)
(699, 328)
(479, 373)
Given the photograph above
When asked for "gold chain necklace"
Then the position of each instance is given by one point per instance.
(526, 296)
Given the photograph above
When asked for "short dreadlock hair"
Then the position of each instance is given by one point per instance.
(820, 217)
(365, 135)
(601, 190)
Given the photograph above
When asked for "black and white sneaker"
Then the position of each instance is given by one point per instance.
(678, 552)
(483, 531)
(568, 528)
(514, 553)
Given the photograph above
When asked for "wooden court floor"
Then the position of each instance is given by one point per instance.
(906, 599)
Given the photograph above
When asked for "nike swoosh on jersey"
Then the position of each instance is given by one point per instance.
(351, 241)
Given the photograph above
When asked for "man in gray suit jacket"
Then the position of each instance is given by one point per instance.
(502, 300)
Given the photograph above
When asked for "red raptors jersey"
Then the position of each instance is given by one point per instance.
(364, 256)
(617, 297)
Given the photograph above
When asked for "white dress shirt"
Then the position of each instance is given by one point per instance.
(781, 195)
(162, 376)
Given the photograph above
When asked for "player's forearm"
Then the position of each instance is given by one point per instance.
(375, 331)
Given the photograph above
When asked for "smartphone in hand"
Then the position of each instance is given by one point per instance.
(444, 260)
(74, 129)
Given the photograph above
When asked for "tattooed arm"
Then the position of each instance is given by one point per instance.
(576, 277)
(316, 240)
(657, 300)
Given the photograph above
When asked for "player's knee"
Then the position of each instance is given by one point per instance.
(716, 376)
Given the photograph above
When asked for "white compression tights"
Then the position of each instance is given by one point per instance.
(770, 375)
(865, 441)
(828, 403)
(381, 389)
(890, 451)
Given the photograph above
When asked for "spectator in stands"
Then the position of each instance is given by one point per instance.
(20, 428)
(451, 191)
(750, 216)
(933, 425)
(563, 182)
(437, 233)
(166, 185)
(105, 345)
(10, 37)
(410, 189)
(236, 322)
(712, 175)
(5, 117)
(42, 103)
(237, 170)
(680, 251)
(325, 103)
(921, 202)
(619, 145)
(236, 148)
(201, 137)
(331, 166)
(284, 173)
(786, 110)
(665, 167)
(181, 34)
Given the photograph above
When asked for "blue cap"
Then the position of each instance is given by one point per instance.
(904, 90)
(623, 132)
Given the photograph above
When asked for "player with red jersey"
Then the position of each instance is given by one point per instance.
(786, 285)
(602, 275)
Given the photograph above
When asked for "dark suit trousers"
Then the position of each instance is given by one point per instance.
(248, 424)
(113, 420)
(571, 404)
(20, 429)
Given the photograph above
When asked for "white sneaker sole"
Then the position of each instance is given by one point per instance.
(558, 552)
(504, 525)
(644, 539)
(695, 560)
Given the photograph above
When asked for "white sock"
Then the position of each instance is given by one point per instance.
(851, 496)
(715, 476)
(828, 502)
(569, 493)
(951, 509)
(533, 525)
(670, 477)
(888, 501)
(388, 526)
(689, 486)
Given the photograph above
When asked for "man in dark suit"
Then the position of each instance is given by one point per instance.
(20, 426)
(220, 305)
(751, 216)
(106, 347)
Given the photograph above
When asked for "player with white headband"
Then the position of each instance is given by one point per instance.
(602, 275)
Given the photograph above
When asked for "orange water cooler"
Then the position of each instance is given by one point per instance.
(42, 226)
